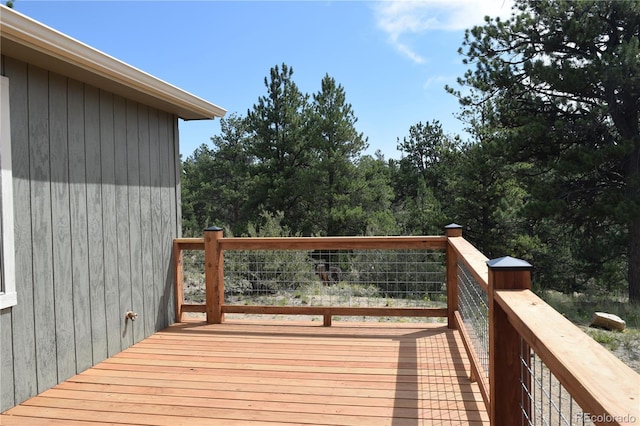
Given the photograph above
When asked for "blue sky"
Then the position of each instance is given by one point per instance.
(393, 58)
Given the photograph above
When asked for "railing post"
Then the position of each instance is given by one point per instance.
(452, 230)
(178, 268)
(214, 274)
(505, 273)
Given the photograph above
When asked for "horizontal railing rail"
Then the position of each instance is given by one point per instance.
(332, 243)
(606, 389)
(474, 260)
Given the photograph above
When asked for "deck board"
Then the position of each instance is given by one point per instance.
(250, 373)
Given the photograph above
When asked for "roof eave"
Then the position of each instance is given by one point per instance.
(33, 42)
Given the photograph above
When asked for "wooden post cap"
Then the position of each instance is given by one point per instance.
(453, 230)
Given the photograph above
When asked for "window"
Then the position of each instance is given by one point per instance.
(8, 296)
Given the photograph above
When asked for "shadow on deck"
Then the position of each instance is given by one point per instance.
(250, 373)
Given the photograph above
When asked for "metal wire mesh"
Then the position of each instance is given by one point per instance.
(473, 306)
(352, 278)
(193, 276)
(544, 401)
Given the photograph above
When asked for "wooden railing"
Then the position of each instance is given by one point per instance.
(520, 325)
(214, 245)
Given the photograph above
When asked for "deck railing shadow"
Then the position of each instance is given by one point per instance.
(531, 364)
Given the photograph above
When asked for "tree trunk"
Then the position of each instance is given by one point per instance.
(634, 261)
(633, 252)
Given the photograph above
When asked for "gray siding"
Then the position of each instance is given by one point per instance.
(96, 188)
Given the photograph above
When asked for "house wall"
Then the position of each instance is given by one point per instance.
(96, 205)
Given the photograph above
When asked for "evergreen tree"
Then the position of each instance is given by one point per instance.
(282, 150)
(216, 181)
(338, 146)
(562, 82)
(428, 157)
(373, 198)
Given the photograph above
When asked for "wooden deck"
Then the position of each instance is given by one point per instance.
(250, 373)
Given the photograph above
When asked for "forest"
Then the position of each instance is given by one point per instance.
(550, 173)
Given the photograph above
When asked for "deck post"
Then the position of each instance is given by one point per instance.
(214, 275)
(506, 273)
(178, 268)
(451, 231)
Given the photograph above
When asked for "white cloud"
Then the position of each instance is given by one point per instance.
(439, 80)
(402, 18)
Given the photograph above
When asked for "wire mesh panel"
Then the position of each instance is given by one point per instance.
(345, 278)
(544, 401)
(193, 276)
(473, 306)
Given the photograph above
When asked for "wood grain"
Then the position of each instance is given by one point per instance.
(598, 381)
(95, 229)
(41, 226)
(135, 219)
(122, 229)
(87, 188)
(475, 261)
(79, 230)
(22, 317)
(109, 238)
(333, 243)
(61, 230)
(243, 373)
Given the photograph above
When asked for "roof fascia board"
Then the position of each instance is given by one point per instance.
(38, 37)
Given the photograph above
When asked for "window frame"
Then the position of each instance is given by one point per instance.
(8, 294)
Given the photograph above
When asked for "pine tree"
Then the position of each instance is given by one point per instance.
(282, 150)
(562, 82)
(216, 181)
(338, 145)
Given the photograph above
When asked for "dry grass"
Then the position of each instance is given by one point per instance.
(579, 309)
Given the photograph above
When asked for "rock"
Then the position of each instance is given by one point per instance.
(608, 321)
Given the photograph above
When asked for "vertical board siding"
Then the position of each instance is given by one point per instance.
(177, 174)
(174, 227)
(6, 346)
(94, 218)
(165, 212)
(95, 212)
(112, 301)
(7, 389)
(146, 220)
(156, 217)
(41, 210)
(135, 237)
(62, 274)
(22, 320)
(79, 227)
(122, 221)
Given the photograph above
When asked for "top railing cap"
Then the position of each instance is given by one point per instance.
(213, 228)
(508, 262)
(453, 226)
